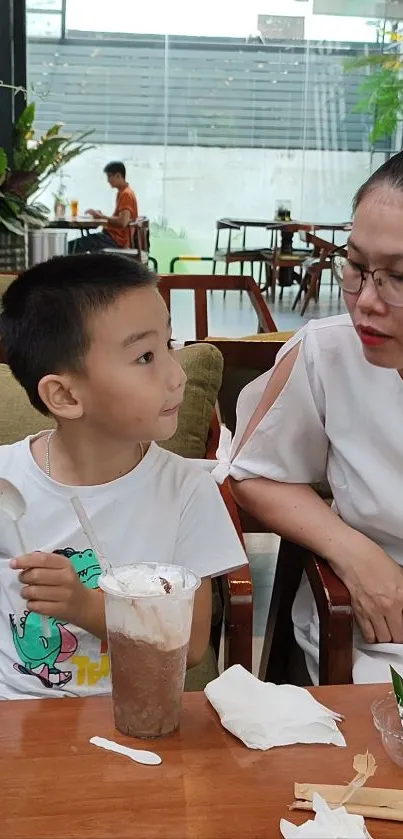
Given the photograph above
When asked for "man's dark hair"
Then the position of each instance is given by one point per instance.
(389, 174)
(45, 311)
(115, 167)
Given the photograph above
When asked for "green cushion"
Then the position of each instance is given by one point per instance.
(17, 416)
(203, 365)
(204, 374)
(5, 280)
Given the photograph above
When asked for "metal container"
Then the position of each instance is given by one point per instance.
(45, 243)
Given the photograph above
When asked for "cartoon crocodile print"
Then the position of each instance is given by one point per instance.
(39, 653)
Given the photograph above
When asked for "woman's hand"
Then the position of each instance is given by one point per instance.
(375, 583)
(374, 580)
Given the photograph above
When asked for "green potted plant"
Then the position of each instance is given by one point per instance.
(381, 91)
(33, 161)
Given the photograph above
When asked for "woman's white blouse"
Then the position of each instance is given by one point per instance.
(342, 418)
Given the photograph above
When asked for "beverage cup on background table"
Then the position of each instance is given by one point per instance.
(74, 208)
(149, 609)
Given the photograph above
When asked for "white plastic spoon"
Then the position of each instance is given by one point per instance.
(13, 504)
(138, 755)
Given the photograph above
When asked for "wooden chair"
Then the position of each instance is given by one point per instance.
(139, 240)
(229, 255)
(140, 237)
(282, 259)
(243, 362)
(201, 284)
(235, 587)
(280, 650)
(321, 260)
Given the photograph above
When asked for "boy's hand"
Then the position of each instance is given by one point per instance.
(52, 588)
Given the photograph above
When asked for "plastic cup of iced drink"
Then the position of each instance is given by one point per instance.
(149, 610)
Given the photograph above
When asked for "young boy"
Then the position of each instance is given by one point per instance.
(88, 337)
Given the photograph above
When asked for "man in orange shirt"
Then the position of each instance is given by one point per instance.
(116, 233)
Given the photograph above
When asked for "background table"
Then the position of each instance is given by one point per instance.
(287, 231)
(53, 783)
(83, 224)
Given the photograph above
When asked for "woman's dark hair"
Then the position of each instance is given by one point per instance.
(389, 174)
(45, 312)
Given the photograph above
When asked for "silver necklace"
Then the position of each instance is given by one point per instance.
(47, 452)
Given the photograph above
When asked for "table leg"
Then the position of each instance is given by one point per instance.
(286, 275)
(331, 267)
(274, 276)
(312, 286)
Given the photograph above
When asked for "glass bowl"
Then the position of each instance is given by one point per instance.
(387, 721)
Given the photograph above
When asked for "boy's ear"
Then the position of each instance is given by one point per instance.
(60, 396)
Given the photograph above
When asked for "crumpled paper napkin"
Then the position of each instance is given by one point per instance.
(264, 715)
(334, 824)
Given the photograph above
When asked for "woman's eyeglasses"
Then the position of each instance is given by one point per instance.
(351, 277)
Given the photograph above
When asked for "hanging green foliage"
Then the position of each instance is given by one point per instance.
(33, 161)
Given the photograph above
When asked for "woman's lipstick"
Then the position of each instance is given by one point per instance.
(371, 338)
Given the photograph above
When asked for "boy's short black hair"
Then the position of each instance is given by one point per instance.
(43, 322)
(115, 167)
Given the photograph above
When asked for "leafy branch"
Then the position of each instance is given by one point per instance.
(33, 161)
(381, 91)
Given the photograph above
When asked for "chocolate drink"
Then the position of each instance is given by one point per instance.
(148, 609)
(147, 683)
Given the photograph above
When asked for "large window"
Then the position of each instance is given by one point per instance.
(215, 111)
(45, 18)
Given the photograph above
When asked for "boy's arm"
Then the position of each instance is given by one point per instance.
(201, 623)
(92, 614)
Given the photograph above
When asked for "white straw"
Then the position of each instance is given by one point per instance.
(23, 549)
(91, 535)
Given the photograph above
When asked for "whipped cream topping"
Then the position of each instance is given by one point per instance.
(151, 603)
(149, 580)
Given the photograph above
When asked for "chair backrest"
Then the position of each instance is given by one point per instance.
(322, 255)
(140, 235)
(244, 361)
(229, 226)
(200, 284)
(320, 244)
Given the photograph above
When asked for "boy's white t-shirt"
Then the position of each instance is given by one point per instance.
(166, 510)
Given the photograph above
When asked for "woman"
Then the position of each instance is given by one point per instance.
(333, 407)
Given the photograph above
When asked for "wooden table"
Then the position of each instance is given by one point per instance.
(83, 224)
(287, 230)
(292, 225)
(55, 785)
